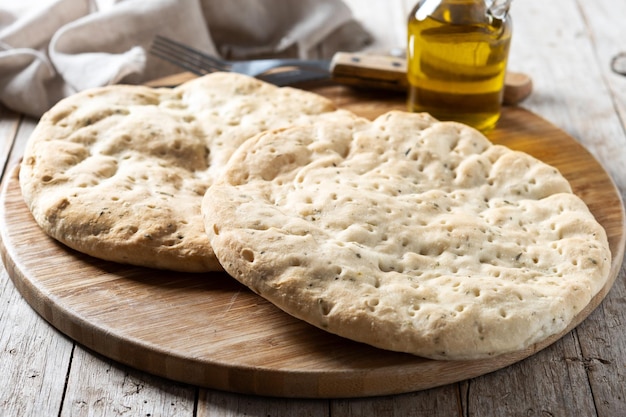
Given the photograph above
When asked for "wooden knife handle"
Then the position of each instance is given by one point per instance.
(389, 73)
(369, 71)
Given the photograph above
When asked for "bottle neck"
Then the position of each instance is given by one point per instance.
(458, 12)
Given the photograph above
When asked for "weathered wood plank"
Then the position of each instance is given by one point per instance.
(554, 46)
(34, 358)
(214, 403)
(100, 387)
(9, 123)
(550, 383)
(27, 125)
(437, 402)
(603, 349)
(600, 19)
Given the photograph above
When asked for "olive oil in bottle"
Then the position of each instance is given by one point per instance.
(457, 56)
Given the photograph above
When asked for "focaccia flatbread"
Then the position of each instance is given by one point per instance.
(119, 172)
(407, 234)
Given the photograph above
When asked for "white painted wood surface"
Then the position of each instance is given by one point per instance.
(566, 46)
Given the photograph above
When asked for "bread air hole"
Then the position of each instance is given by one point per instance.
(386, 267)
(248, 255)
(337, 270)
(324, 306)
(372, 303)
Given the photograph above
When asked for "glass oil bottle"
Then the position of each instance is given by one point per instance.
(457, 57)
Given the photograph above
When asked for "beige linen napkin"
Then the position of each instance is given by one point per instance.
(53, 48)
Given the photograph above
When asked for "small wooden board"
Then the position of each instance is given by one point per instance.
(208, 330)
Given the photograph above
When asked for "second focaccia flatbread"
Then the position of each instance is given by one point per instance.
(119, 172)
(408, 234)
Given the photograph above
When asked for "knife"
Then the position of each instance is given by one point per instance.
(361, 70)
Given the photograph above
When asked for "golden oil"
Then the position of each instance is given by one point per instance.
(457, 56)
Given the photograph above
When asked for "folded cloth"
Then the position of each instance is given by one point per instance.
(53, 48)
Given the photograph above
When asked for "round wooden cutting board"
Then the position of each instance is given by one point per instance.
(210, 331)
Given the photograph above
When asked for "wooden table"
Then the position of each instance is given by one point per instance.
(567, 47)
